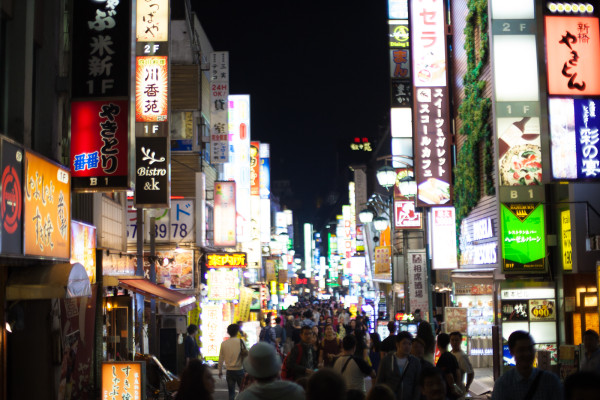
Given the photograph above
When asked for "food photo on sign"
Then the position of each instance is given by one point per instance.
(520, 151)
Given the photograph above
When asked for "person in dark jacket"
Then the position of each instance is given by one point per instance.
(191, 349)
(303, 365)
(400, 370)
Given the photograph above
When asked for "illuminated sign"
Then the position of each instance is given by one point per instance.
(151, 88)
(523, 238)
(265, 170)
(152, 172)
(573, 8)
(472, 250)
(11, 203)
(83, 247)
(400, 63)
(383, 260)
(361, 144)
(443, 227)
(225, 214)
(226, 260)
(429, 43)
(572, 55)
(398, 9)
(223, 284)
(152, 24)
(47, 208)
(418, 284)
(406, 216)
(255, 168)
(213, 330)
(399, 34)
(174, 269)
(542, 310)
(99, 144)
(566, 246)
(219, 93)
(123, 380)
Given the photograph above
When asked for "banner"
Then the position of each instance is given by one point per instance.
(418, 284)
(219, 92)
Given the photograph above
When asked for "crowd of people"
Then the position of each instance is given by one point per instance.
(320, 352)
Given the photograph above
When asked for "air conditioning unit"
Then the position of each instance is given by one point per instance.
(177, 322)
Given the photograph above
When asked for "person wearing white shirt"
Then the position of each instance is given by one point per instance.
(231, 355)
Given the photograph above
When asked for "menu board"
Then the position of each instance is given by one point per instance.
(542, 310)
(456, 319)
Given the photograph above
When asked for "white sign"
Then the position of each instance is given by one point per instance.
(429, 43)
(418, 284)
(219, 96)
(443, 238)
(171, 225)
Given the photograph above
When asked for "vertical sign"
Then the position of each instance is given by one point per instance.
(123, 380)
(151, 88)
(83, 247)
(255, 168)
(219, 92)
(265, 193)
(225, 214)
(566, 246)
(151, 172)
(523, 238)
(11, 204)
(443, 228)
(418, 284)
(433, 151)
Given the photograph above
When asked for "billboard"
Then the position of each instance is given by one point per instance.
(224, 214)
(151, 88)
(47, 209)
(99, 144)
(523, 238)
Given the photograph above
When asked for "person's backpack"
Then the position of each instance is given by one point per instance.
(287, 374)
(265, 335)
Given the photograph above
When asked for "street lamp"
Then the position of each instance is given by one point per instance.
(380, 223)
(386, 176)
(366, 215)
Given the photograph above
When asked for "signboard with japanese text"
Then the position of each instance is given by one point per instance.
(542, 310)
(226, 260)
(152, 172)
(173, 224)
(428, 32)
(151, 88)
(101, 48)
(255, 168)
(214, 330)
(11, 204)
(515, 310)
(224, 214)
(383, 260)
(443, 228)
(152, 23)
(219, 93)
(117, 264)
(400, 63)
(47, 210)
(573, 55)
(565, 235)
(223, 284)
(123, 380)
(265, 170)
(242, 311)
(406, 216)
(99, 144)
(402, 94)
(83, 247)
(399, 34)
(523, 238)
(418, 284)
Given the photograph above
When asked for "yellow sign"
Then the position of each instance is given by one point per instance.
(83, 247)
(242, 311)
(226, 260)
(567, 249)
(122, 380)
(383, 259)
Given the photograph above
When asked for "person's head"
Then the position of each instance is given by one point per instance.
(403, 344)
(233, 329)
(582, 385)
(196, 382)
(443, 340)
(329, 320)
(308, 314)
(297, 323)
(375, 341)
(306, 334)
(425, 332)
(240, 324)
(521, 346)
(432, 383)
(268, 321)
(263, 363)
(278, 320)
(590, 340)
(352, 323)
(391, 327)
(355, 394)
(455, 340)
(326, 384)
(380, 392)
(329, 332)
(349, 343)
(417, 314)
(418, 348)
(192, 329)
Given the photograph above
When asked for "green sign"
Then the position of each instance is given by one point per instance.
(523, 238)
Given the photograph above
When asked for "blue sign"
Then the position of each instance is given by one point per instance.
(587, 140)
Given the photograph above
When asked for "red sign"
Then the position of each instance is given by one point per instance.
(406, 216)
(301, 281)
(99, 144)
(254, 169)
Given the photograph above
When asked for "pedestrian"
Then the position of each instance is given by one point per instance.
(316, 345)
(267, 333)
(433, 385)
(232, 355)
(418, 350)
(380, 392)
(525, 382)
(353, 369)
(300, 361)
(400, 370)
(196, 382)
(325, 384)
(280, 334)
(417, 316)
(331, 348)
(388, 345)
(263, 365)
(296, 333)
(465, 368)
(591, 355)
(582, 385)
(308, 314)
(425, 332)
(375, 350)
(289, 331)
(190, 346)
(448, 364)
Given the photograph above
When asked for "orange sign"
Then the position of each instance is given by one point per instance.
(122, 380)
(47, 219)
(83, 247)
(573, 55)
(151, 88)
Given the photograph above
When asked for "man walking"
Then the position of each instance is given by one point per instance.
(464, 365)
(524, 381)
(267, 333)
(300, 361)
(388, 345)
(400, 371)
(231, 355)
(591, 356)
(449, 366)
(353, 369)
(191, 349)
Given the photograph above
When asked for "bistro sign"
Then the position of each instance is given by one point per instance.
(152, 173)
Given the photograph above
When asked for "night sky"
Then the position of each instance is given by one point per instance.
(317, 74)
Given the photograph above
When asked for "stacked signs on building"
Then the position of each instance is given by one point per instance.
(219, 92)
(152, 145)
(517, 120)
(100, 85)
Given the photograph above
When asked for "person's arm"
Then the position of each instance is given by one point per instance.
(470, 377)
(381, 373)
(365, 368)
(221, 358)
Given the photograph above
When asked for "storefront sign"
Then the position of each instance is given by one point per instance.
(83, 247)
(443, 227)
(270, 272)
(223, 284)
(123, 380)
(399, 34)
(152, 176)
(523, 238)
(255, 168)
(171, 225)
(456, 319)
(226, 260)
(472, 250)
(151, 88)
(566, 247)
(542, 310)
(116, 264)
(429, 43)
(11, 204)
(265, 170)
(219, 93)
(225, 214)
(418, 284)
(99, 144)
(47, 208)
(152, 24)
(383, 259)
(101, 49)
(407, 216)
(572, 55)
(242, 311)
(213, 330)
(398, 9)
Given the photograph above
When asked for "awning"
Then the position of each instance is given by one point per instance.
(160, 293)
(473, 275)
(48, 282)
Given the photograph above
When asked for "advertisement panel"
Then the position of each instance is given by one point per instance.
(226, 260)
(399, 34)
(573, 55)
(123, 379)
(83, 247)
(11, 204)
(542, 310)
(101, 48)
(566, 245)
(152, 23)
(152, 172)
(99, 144)
(406, 216)
(398, 9)
(456, 319)
(519, 151)
(219, 93)
(265, 170)
(224, 214)
(418, 284)
(175, 224)
(523, 238)
(428, 31)
(223, 284)
(443, 228)
(151, 88)
(383, 260)
(47, 211)
(255, 168)
(214, 330)
(174, 269)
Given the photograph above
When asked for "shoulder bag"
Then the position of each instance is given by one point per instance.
(243, 350)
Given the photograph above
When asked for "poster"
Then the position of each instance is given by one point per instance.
(456, 319)
(542, 310)
(515, 310)
(523, 238)
(123, 380)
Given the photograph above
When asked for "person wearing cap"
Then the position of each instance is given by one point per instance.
(264, 364)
